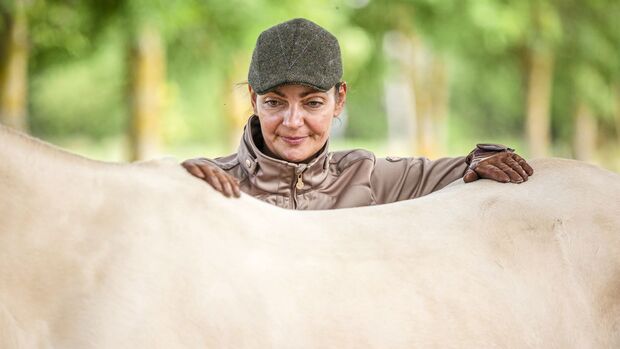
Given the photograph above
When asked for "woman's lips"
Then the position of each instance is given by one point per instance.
(293, 140)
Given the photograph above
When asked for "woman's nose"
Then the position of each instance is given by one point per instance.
(293, 117)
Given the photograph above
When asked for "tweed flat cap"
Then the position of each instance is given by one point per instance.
(295, 52)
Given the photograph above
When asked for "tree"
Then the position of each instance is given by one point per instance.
(588, 69)
(147, 71)
(14, 65)
(416, 66)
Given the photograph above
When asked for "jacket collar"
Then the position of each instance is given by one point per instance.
(274, 175)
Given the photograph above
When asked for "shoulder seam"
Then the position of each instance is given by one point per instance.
(365, 155)
(225, 165)
(353, 162)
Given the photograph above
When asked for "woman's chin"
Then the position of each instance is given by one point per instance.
(295, 153)
(295, 156)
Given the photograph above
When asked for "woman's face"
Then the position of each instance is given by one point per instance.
(296, 119)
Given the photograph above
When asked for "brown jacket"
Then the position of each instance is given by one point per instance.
(339, 179)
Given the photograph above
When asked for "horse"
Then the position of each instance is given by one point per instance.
(143, 255)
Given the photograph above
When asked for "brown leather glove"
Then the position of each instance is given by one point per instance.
(215, 176)
(496, 162)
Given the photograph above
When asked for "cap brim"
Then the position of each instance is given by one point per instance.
(318, 88)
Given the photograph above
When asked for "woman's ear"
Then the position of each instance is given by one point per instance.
(342, 98)
(253, 99)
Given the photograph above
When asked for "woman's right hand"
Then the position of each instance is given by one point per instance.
(215, 176)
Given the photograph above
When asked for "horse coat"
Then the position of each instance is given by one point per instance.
(101, 255)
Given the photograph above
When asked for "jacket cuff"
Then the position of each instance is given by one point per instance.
(484, 150)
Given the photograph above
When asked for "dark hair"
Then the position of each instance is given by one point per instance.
(337, 90)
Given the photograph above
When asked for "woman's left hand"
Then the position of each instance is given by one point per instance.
(504, 166)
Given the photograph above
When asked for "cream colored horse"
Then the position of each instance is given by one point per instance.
(98, 255)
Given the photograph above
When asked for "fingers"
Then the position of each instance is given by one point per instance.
(528, 169)
(490, 171)
(514, 165)
(229, 184)
(213, 180)
(236, 189)
(514, 176)
(193, 170)
(470, 176)
(216, 177)
(191, 167)
(504, 167)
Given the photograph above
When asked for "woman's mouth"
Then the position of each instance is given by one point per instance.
(293, 140)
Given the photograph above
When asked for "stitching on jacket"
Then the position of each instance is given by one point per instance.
(342, 164)
(373, 197)
(225, 165)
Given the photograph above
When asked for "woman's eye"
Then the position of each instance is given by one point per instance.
(272, 103)
(315, 104)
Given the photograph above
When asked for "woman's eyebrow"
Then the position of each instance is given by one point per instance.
(306, 93)
(276, 92)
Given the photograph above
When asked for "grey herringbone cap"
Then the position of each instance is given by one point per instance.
(295, 52)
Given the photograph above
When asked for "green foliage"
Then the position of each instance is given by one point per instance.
(78, 62)
(366, 119)
(488, 98)
(62, 31)
(84, 96)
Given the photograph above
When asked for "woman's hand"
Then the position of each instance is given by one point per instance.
(496, 162)
(215, 176)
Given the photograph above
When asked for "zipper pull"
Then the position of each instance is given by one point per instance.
(300, 182)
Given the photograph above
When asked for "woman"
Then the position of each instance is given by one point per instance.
(296, 91)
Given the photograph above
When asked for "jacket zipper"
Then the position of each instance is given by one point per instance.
(300, 183)
(297, 185)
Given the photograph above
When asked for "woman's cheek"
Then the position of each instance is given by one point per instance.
(271, 120)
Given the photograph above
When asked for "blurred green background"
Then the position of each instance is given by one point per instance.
(120, 80)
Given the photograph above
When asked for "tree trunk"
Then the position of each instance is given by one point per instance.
(146, 95)
(431, 99)
(439, 106)
(584, 136)
(540, 74)
(422, 63)
(14, 69)
(401, 115)
(416, 95)
(616, 96)
(400, 95)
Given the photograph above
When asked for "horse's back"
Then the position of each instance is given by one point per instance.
(95, 255)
